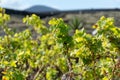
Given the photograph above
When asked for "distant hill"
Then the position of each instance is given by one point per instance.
(40, 8)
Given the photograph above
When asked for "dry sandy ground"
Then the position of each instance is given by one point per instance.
(88, 19)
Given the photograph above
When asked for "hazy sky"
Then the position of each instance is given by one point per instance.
(61, 4)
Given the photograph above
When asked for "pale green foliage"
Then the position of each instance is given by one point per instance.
(55, 53)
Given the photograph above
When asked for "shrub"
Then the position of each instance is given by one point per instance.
(56, 55)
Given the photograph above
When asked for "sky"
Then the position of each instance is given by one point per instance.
(61, 4)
